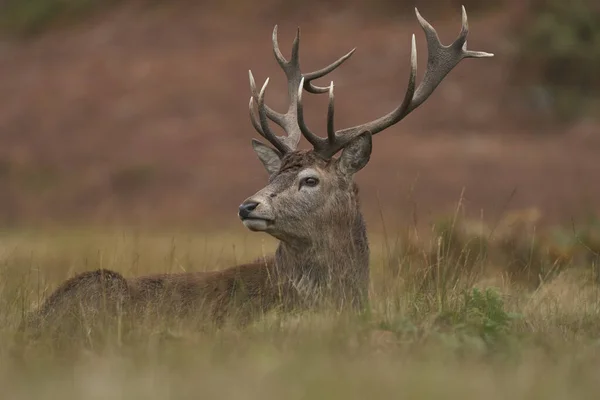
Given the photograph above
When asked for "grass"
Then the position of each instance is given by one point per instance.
(446, 321)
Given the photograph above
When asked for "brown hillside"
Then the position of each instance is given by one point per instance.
(141, 116)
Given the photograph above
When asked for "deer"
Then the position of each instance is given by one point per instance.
(310, 205)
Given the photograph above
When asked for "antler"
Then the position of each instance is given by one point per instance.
(292, 120)
(441, 60)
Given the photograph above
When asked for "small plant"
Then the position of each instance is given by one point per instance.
(485, 315)
(480, 318)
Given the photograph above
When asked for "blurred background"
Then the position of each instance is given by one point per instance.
(136, 112)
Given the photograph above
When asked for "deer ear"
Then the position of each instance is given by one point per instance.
(270, 158)
(356, 154)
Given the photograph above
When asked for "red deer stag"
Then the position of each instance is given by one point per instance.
(310, 204)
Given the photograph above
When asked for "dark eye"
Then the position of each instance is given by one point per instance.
(310, 182)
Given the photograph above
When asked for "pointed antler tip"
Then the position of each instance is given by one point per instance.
(465, 21)
(413, 45)
(252, 82)
(348, 55)
(419, 16)
(297, 38)
(422, 21)
(262, 91)
(413, 55)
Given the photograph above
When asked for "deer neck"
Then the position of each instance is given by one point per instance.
(336, 258)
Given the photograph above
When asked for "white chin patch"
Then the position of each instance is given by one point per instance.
(255, 224)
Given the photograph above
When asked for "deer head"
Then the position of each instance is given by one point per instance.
(311, 191)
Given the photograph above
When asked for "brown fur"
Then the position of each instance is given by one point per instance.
(310, 204)
(324, 248)
(91, 299)
(242, 291)
(322, 260)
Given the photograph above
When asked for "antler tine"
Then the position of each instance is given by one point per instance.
(312, 88)
(337, 140)
(254, 117)
(291, 121)
(461, 41)
(333, 142)
(308, 134)
(272, 114)
(330, 115)
(266, 131)
(441, 60)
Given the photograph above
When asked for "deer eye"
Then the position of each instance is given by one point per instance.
(309, 181)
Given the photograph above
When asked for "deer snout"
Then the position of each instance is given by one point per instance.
(246, 208)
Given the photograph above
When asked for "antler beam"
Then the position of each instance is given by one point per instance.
(440, 61)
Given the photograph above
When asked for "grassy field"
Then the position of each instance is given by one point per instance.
(459, 311)
(447, 321)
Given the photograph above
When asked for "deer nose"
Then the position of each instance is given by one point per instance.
(246, 208)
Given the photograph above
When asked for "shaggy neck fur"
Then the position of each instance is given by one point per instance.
(333, 270)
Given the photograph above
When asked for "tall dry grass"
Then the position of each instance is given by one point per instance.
(446, 320)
